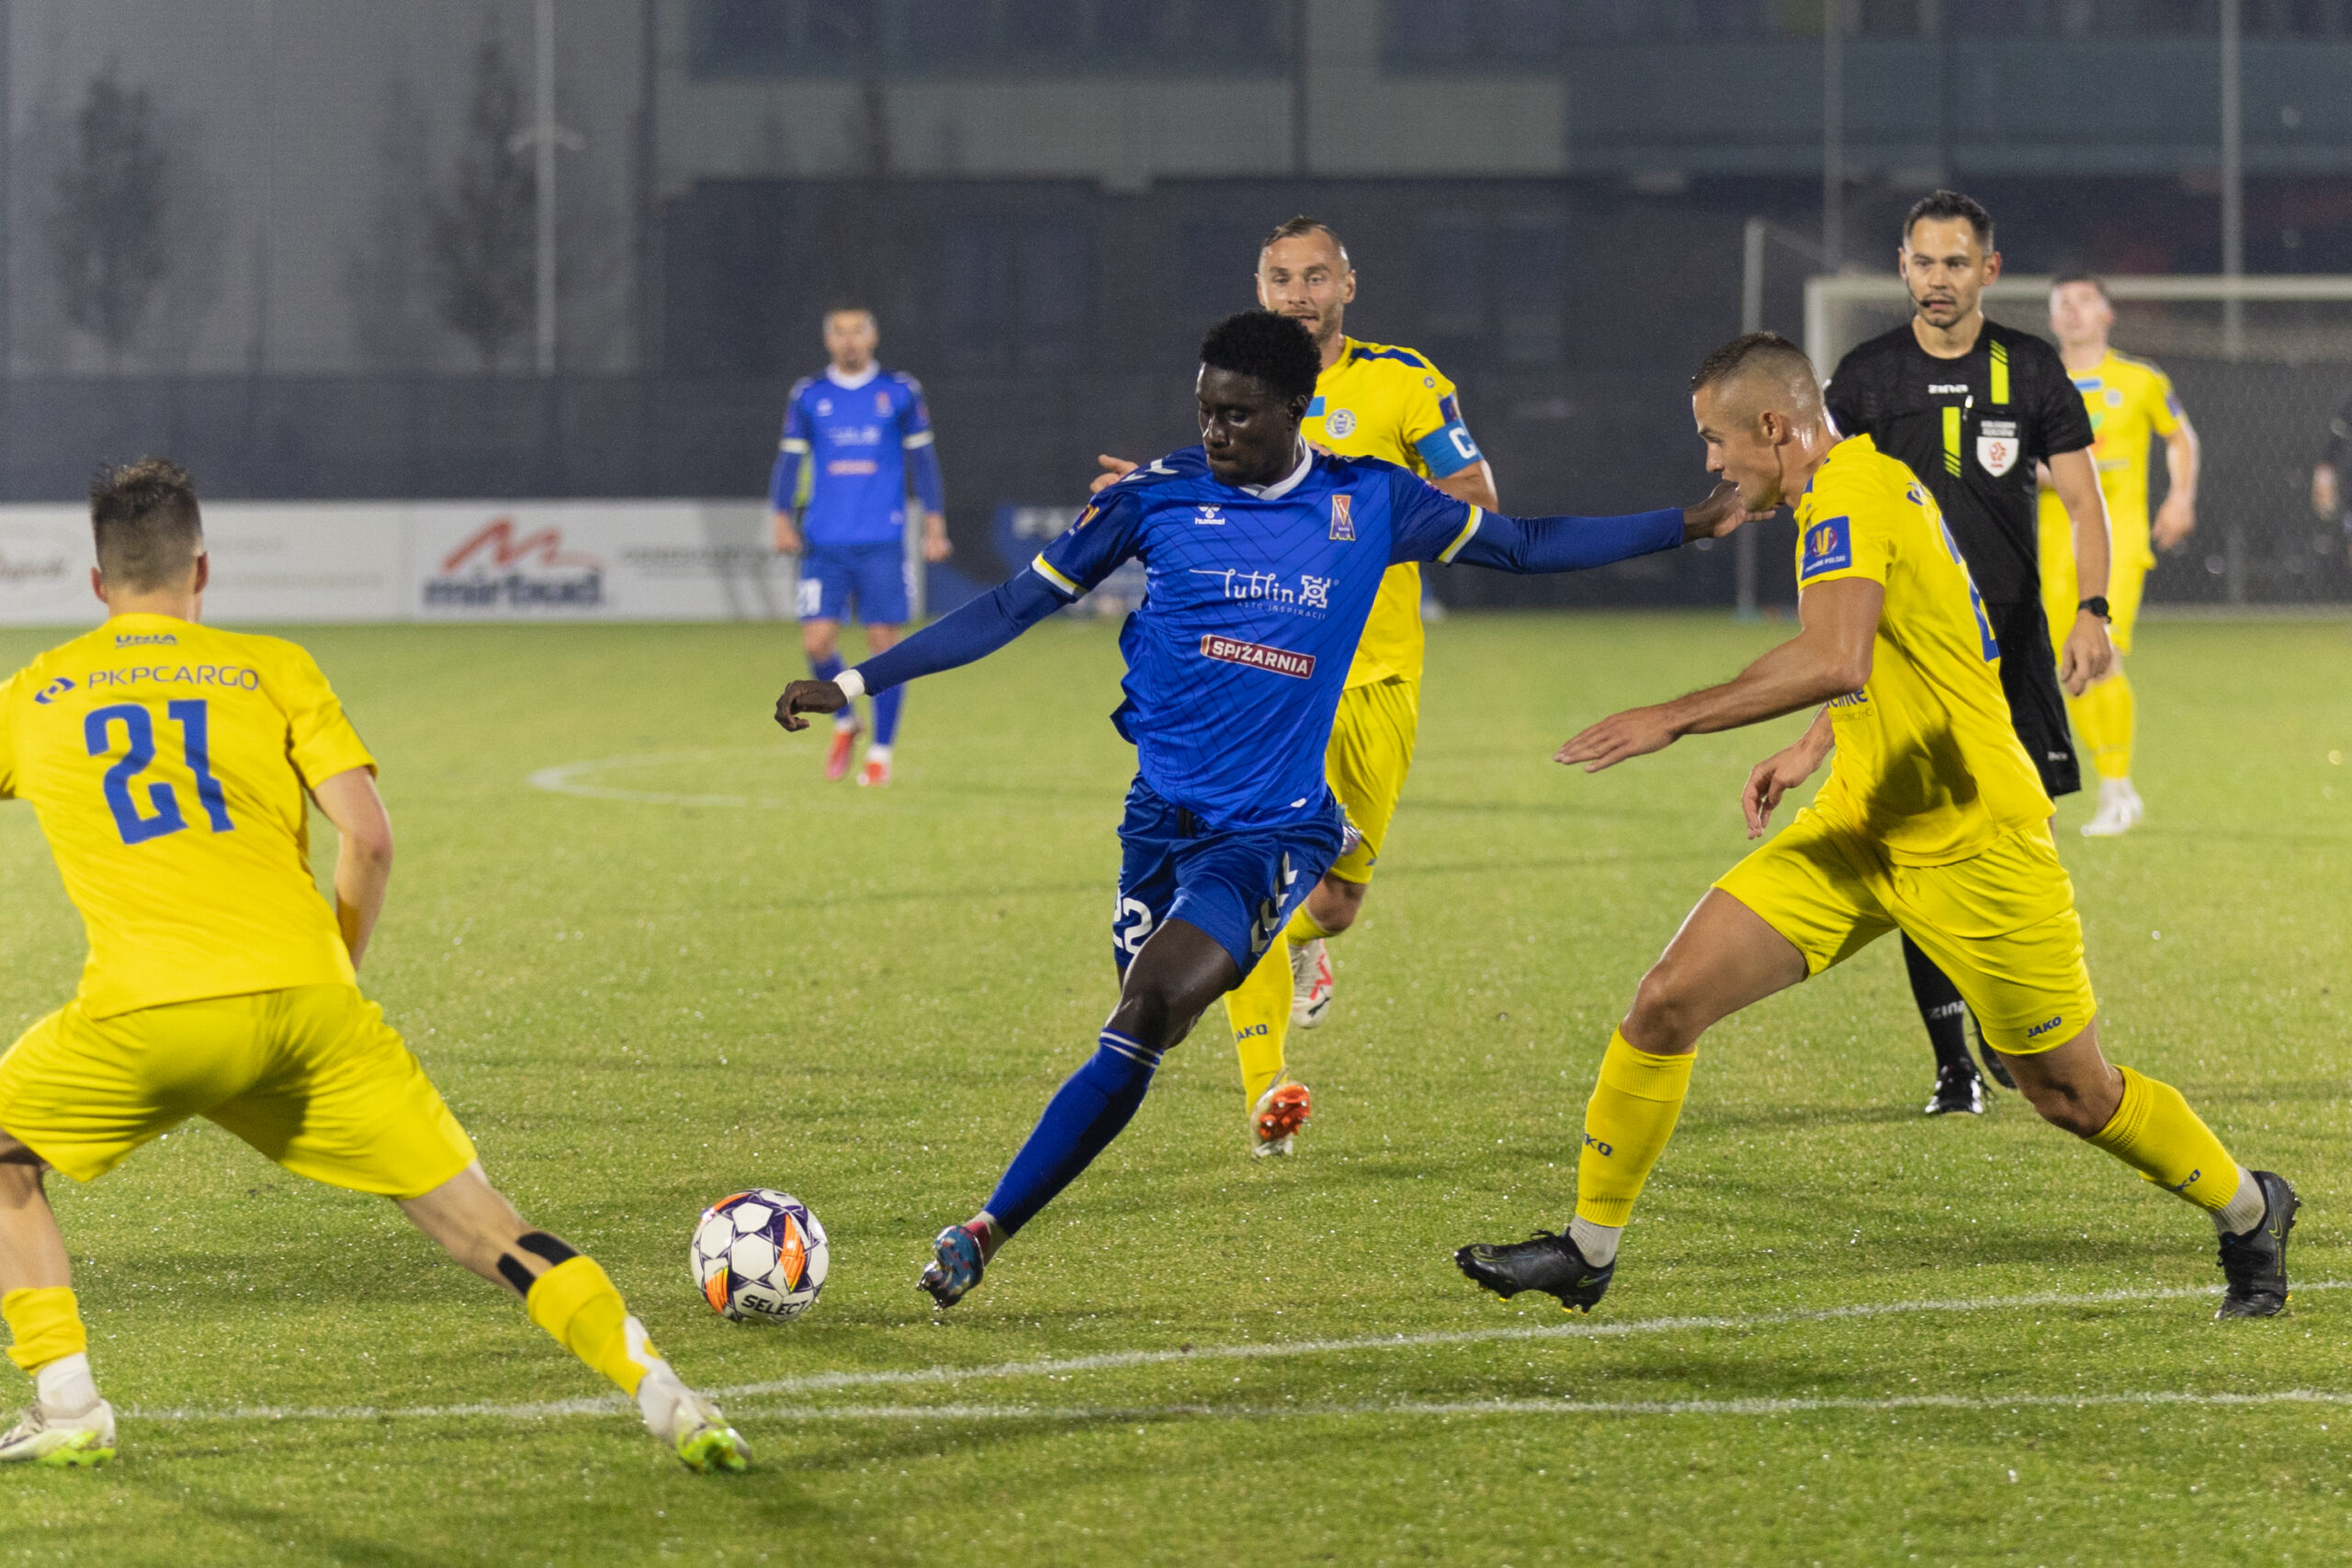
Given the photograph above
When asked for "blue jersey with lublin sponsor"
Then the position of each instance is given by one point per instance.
(861, 442)
(1252, 611)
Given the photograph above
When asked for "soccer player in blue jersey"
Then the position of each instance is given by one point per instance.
(1263, 559)
(864, 434)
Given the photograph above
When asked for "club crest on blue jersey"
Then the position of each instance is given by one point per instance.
(1828, 546)
(1343, 524)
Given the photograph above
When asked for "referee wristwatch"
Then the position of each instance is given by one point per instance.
(2096, 605)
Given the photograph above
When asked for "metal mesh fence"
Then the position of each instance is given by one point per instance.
(2260, 375)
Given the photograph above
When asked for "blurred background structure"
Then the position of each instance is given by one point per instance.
(300, 245)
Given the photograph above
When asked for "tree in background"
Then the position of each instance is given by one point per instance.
(106, 228)
(383, 271)
(479, 245)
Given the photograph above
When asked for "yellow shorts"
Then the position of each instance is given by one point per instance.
(312, 1077)
(2001, 923)
(1370, 752)
(2126, 576)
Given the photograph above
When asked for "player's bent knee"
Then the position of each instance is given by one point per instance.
(1667, 1018)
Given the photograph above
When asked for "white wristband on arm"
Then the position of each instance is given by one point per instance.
(852, 683)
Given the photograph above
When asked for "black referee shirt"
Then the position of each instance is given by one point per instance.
(1972, 428)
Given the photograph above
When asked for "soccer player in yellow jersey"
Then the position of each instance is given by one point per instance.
(1373, 400)
(1933, 822)
(172, 767)
(2131, 406)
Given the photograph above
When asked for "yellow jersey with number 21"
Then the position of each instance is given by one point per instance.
(1384, 401)
(167, 762)
(1929, 766)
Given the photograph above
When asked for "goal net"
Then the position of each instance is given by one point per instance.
(2260, 363)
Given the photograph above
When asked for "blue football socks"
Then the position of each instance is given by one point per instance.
(1079, 1121)
(885, 713)
(828, 668)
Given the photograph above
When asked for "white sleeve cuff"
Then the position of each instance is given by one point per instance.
(852, 683)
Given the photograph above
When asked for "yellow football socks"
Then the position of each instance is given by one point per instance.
(2105, 716)
(2155, 1132)
(46, 1325)
(1626, 1124)
(578, 1305)
(1259, 1010)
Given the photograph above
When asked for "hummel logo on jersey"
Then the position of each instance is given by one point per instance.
(1343, 526)
(56, 688)
(1208, 516)
(1257, 656)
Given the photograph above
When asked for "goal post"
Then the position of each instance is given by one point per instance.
(2260, 365)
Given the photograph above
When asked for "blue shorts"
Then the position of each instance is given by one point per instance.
(1240, 887)
(874, 576)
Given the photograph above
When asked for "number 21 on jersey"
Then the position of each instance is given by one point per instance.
(154, 811)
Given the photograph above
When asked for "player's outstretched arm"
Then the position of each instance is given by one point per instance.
(1528, 545)
(960, 638)
(363, 860)
(1829, 657)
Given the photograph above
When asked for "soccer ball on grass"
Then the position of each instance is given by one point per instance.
(760, 1256)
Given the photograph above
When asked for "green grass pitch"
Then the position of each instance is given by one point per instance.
(721, 971)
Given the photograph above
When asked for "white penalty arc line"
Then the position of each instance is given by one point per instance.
(565, 779)
(1063, 1366)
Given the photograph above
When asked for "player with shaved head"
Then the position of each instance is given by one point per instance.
(1933, 822)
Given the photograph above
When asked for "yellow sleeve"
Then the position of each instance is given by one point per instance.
(2164, 406)
(8, 734)
(323, 742)
(1845, 533)
(1425, 392)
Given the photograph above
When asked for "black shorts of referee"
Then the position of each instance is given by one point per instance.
(2029, 676)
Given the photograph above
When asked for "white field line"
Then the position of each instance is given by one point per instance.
(1064, 1367)
(565, 779)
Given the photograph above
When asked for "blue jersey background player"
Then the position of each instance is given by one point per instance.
(861, 435)
(1263, 559)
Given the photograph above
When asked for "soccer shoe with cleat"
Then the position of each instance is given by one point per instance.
(2120, 810)
(956, 1266)
(837, 754)
(1959, 1091)
(45, 1438)
(1275, 1120)
(875, 774)
(2254, 1264)
(1547, 1262)
(689, 1424)
(1310, 983)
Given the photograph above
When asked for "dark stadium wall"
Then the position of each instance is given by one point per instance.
(1053, 319)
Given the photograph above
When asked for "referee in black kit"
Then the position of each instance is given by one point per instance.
(1973, 407)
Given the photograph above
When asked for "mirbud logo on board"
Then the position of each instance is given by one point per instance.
(502, 567)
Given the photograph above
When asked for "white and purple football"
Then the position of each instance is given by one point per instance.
(760, 1256)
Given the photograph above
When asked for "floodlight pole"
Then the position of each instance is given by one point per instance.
(1751, 320)
(543, 137)
(1833, 132)
(2233, 176)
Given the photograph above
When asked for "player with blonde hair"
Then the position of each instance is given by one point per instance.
(2132, 405)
